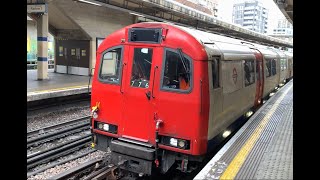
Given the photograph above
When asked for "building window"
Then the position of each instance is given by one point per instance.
(110, 66)
(249, 74)
(215, 73)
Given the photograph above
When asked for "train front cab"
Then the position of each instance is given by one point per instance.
(146, 90)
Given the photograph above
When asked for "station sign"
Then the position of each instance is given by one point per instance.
(37, 8)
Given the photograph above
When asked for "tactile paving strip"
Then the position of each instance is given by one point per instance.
(277, 162)
(267, 155)
(273, 120)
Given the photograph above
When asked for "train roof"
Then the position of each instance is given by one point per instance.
(226, 45)
(279, 52)
(193, 39)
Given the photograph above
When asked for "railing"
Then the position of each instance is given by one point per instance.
(32, 64)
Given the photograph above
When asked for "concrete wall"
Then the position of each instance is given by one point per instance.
(97, 22)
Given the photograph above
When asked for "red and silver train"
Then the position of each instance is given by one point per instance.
(162, 92)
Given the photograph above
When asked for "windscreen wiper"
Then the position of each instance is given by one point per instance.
(183, 63)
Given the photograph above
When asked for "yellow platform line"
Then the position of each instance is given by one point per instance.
(60, 89)
(241, 156)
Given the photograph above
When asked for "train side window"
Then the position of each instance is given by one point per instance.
(110, 66)
(176, 73)
(249, 72)
(215, 73)
(283, 64)
(273, 67)
(268, 67)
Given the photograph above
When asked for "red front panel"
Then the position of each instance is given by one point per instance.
(137, 118)
(107, 93)
(182, 114)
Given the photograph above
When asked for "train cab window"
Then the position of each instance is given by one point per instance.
(268, 67)
(142, 60)
(273, 67)
(110, 66)
(215, 73)
(249, 73)
(176, 74)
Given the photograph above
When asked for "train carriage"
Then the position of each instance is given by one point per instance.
(271, 69)
(162, 92)
(282, 61)
(290, 66)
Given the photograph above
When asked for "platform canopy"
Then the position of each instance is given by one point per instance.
(171, 11)
(286, 7)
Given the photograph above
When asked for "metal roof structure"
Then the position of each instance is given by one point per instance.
(286, 7)
(169, 11)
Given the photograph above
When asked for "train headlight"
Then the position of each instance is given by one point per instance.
(95, 115)
(106, 127)
(181, 143)
(94, 110)
(173, 142)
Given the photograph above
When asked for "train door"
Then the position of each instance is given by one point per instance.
(137, 88)
(290, 67)
(260, 80)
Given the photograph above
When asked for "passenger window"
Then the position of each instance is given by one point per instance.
(268, 67)
(177, 74)
(110, 66)
(274, 67)
(141, 67)
(215, 73)
(249, 72)
(283, 64)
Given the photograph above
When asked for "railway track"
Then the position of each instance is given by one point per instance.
(94, 169)
(57, 151)
(52, 132)
(51, 165)
(39, 154)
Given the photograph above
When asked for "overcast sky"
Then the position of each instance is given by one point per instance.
(274, 13)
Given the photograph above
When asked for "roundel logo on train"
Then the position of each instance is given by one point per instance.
(234, 75)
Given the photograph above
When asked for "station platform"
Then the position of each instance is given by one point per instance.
(57, 85)
(263, 146)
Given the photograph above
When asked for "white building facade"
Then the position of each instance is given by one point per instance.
(251, 14)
